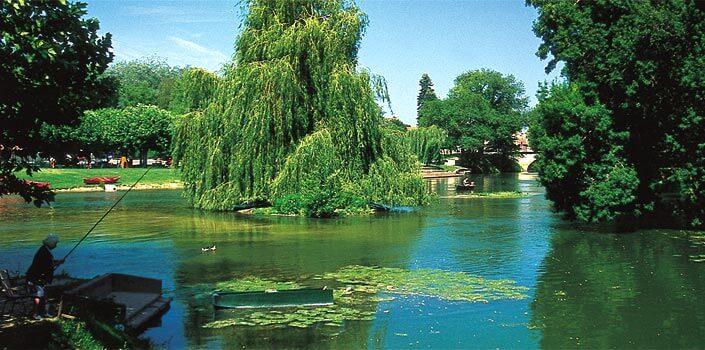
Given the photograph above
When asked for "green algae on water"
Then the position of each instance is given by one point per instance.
(253, 284)
(300, 317)
(359, 291)
(447, 285)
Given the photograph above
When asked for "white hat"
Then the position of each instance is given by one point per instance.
(51, 238)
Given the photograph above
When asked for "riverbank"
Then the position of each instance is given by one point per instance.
(71, 180)
(65, 333)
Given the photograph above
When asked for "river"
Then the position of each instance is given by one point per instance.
(587, 287)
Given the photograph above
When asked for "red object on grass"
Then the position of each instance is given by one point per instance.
(38, 185)
(97, 180)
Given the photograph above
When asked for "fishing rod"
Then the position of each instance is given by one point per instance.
(106, 214)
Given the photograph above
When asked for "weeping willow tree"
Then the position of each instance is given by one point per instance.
(193, 91)
(426, 143)
(294, 116)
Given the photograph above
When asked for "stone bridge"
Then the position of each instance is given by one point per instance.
(526, 160)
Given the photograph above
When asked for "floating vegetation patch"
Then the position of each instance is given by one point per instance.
(441, 284)
(359, 290)
(332, 316)
(252, 284)
(505, 194)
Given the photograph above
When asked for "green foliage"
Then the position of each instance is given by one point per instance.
(130, 130)
(52, 59)
(148, 81)
(268, 131)
(426, 143)
(74, 335)
(426, 92)
(193, 91)
(642, 61)
(394, 124)
(579, 157)
(482, 114)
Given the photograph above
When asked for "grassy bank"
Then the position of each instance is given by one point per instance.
(60, 333)
(73, 178)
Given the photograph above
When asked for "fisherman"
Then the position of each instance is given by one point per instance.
(41, 273)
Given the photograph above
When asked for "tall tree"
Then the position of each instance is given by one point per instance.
(482, 115)
(426, 92)
(643, 61)
(426, 143)
(193, 91)
(52, 59)
(147, 81)
(295, 116)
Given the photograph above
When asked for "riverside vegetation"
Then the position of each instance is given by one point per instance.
(273, 130)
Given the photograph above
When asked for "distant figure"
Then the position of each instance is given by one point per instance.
(41, 273)
(52, 162)
(123, 162)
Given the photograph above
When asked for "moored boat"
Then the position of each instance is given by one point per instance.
(273, 298)
(39, 185)
(97, 180)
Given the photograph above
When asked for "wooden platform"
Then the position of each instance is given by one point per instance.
(131, 301)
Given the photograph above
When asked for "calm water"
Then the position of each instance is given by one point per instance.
(586, 287)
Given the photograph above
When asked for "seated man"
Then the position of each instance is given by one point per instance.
(41, 273)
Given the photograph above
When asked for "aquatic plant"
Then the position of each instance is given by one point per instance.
(361, 287)
(294, 115)
(250, 284)
(447, 285)
(333, 315)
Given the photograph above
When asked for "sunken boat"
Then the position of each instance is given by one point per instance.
(273, 298)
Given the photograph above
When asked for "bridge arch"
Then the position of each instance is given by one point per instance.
(526, 160)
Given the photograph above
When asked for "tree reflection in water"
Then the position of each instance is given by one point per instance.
(620, 291)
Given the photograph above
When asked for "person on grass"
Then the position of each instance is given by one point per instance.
(41, 273)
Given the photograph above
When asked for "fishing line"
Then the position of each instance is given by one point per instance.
(106, 214)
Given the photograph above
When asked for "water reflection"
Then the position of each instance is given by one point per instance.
(590, 288)
(285, 249)
(620, 291)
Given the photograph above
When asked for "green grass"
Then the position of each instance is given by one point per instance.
(71, 178)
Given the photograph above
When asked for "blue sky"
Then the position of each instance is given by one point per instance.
(404, 39)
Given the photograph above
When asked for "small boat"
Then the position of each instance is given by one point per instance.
(273, 298)
(119, 299)
(97, 180)
(38, 185)
(208, 249)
